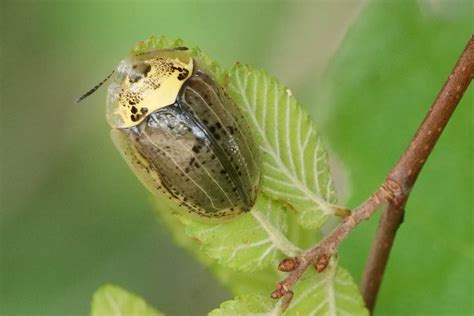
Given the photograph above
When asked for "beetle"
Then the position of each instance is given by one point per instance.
(181, 133)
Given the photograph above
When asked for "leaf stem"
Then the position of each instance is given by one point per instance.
(394, 192)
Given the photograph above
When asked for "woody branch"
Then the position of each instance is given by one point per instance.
(393, 193)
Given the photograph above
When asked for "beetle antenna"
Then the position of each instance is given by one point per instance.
(97, 86)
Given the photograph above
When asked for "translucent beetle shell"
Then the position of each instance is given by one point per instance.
(182, 135)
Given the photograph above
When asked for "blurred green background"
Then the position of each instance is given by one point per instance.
(74, 217)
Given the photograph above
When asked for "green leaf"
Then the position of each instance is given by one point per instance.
(249, 242)
(295, 164)
(111, 300)
(245, 305)
(330, 293)
(296, 179)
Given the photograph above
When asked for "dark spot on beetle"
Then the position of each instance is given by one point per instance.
(134, 110)
(146, 70)
(205, 122)
(144, 110)
(197, 165)
(213, 157)
(191, 161)
(131, 102)
(231, 129)
(234, 190)
(218, 125)
(196, 148)
(183, 73)
(240, 173)
(223, 171)
(231, 209)
(135, 117)
(217, 137)
(212, 129)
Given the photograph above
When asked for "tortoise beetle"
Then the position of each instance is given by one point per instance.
(181, 134)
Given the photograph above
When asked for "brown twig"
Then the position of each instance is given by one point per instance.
(409, 166)
(327, 247)
(394, 191)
